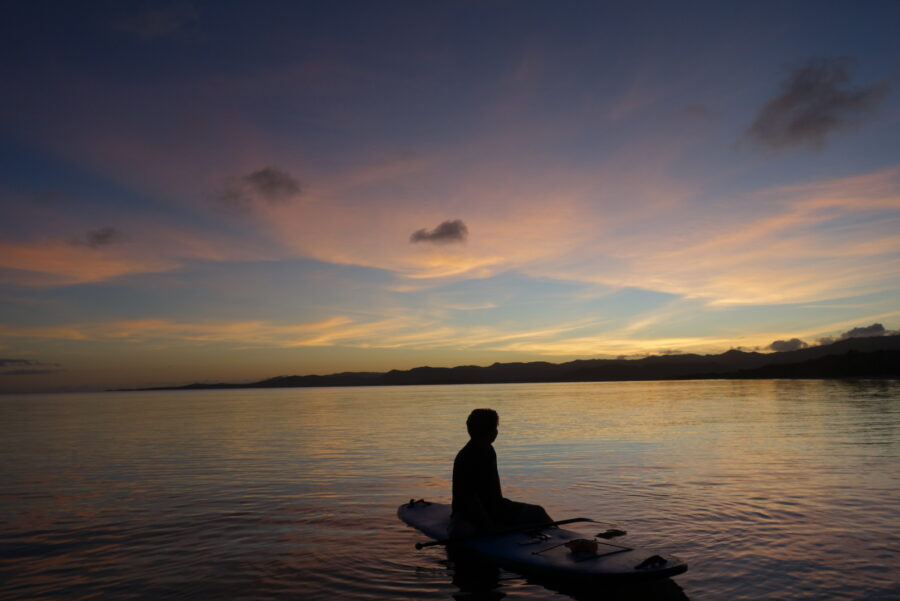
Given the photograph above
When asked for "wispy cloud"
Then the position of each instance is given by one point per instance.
(250, 333)
(756, 248)
(612, 346)
(154, 246)
(53, 263)
(814, 101)
(416, 330)
(738, 257)
(440, 266)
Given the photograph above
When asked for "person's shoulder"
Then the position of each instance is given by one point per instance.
(466, 451)
(474, 451)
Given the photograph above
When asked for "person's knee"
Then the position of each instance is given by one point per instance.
(538, 513)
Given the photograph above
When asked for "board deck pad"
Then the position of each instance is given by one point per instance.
(544, 551)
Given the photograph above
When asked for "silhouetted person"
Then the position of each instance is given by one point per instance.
(478, 503)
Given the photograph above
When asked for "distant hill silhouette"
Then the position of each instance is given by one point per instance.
(877, 356)
(852, 364)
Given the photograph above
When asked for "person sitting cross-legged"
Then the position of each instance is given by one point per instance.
(478, 503)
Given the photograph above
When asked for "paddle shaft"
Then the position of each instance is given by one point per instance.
(444, 541)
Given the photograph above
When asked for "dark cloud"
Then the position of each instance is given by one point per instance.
(103, 237)
(814, 100)
(794, 344)
(17, 362)
(876, 329)
(99, 238)
(27, 367)
(158, 19)
(446, 233)
(269, 185)
(30, 372)
(272, 185)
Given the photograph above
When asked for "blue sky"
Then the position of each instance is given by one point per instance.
(230, 191)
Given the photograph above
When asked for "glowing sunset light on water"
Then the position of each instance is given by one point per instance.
(316, 189)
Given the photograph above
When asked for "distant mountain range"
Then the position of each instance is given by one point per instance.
(875, 357)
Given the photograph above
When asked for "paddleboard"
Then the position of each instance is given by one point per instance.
(545, 551)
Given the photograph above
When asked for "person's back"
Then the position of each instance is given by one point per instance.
(478, 503)
(477, 497)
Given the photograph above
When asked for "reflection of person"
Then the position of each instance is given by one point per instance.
(478, 503)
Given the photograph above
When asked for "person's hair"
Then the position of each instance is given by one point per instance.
(482, 421)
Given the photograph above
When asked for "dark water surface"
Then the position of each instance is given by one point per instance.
(768, 489)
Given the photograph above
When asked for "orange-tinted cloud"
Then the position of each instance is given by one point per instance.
(138, 246)
(797, 246)
(333, 330)
(50, 263)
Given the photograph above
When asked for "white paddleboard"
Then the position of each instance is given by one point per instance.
(544, 552)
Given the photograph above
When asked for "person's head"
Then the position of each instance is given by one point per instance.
(482, 424)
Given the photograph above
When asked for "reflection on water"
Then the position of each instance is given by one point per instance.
(477, 580)
(768, 489)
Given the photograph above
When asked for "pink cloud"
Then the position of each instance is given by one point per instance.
(139, 246)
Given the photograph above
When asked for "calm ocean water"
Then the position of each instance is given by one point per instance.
(769, 489)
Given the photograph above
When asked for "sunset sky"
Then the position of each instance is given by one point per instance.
(208, 191)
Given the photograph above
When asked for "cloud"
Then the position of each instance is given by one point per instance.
(55, 263)
(793, 344)
(269, 185)
(814, 100)
(27, 367)
(30, 372)
(760, 252)
(446, 233)
(876, 329)
(99, 238)
(154, 245)
(273, 185)
(158, 21)
(17, 362)
(245, 333)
